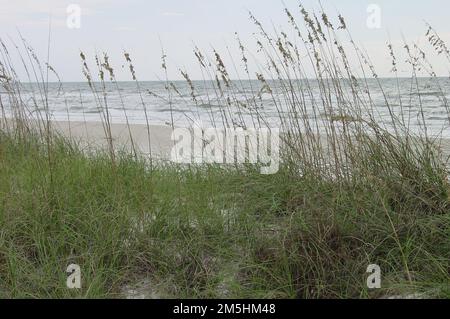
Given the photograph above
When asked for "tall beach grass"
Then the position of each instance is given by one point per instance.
(351, 190)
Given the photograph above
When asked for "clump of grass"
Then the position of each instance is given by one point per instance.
(351, 190)
(186, 230)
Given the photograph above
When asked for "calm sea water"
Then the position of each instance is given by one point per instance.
(76, 101)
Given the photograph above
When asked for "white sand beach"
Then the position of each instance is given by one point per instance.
(92, 134)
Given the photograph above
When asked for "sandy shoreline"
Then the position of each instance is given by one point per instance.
(92, 135)
(160, 136)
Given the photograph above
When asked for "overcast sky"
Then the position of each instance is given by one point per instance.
(137, 26)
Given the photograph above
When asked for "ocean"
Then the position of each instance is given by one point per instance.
(166, 103)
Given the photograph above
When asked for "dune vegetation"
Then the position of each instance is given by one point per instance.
(351, 191)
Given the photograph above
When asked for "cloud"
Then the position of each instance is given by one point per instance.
(124, 29)
(36, 13)
(173, 14)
